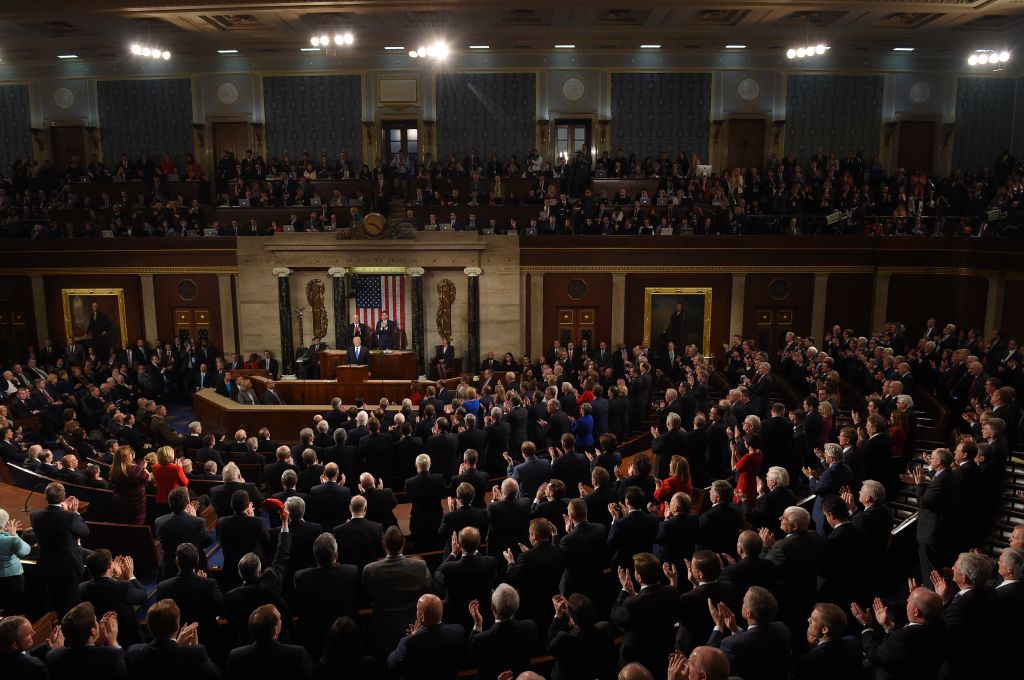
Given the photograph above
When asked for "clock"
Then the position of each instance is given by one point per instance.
(227, 93)
(64, 98)
(920, 92)
(748, 89)
(573, 89)
(374, 225)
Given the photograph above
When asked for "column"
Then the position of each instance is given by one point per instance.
(39, 306)
(618, 310)
(818, 306)
(993, 305)
(739, 288)
(338, 292)
(473, 346)
(149, 329)
(227, 312)
(284, 308)
(418, 340)
(880, 306)
(537, 314)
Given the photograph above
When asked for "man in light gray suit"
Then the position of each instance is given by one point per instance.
(394, 584)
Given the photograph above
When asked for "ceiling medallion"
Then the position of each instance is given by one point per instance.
(748, 89)
(227, 93)
(573, 89)
(920, 92)
(63, 98)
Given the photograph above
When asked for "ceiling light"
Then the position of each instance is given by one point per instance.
(650, 47)
(67, 56)
(1004, 56)
(972, 60)
(146, 51)
(309, 49)
(983, 58)
(819, 49)
(325, 39)
(903, 49)
(166, 55)
(394, 47)
(348, 38)
(314, 41)
(136, 49)
(735, 47)
(790, 53)
(339, 39)
(227, 51)
(565, 47)
(413, 53)
(801, 52)
(421, 52)
(479, 47)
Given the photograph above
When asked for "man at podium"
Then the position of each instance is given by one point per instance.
(357, 354)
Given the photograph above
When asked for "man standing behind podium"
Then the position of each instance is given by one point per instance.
(385, 332)
(356, 329)
(357, 354)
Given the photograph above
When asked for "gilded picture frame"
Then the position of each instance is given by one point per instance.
(77, 311)
(659, 306)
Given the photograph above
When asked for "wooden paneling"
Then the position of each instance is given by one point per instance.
(779, 294)
(169, 298)
(17, 318)
(848, 302)
(953, 299)
(67, 141)
(564, 291)
(132, 300)
(1012, 324)
(917, 145)
(721, 292)
(746, 143)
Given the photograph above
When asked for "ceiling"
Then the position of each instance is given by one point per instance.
(101, 30)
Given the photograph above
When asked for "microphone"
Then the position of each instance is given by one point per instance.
(37, 487)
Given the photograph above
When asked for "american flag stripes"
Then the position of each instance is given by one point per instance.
(376, 293)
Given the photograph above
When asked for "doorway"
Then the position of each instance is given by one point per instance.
(66, 142)
(193, 324)
(917, 145)
(772, 326)
(398, 136)
(746, 144)
(576, 324)
(572, 135)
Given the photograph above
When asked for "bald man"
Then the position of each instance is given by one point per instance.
(704, 663)
(911, 651)
(433, 650)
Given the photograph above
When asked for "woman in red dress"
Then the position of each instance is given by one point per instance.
(747, 466)
(168, 475)
(678, 481)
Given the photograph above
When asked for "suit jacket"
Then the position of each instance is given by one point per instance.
(833, 659)
(768, 509)
(631, 534)
(363, 357)
(164, 659)
(393, 585)
(694, 620)
(272, 398)
(380, 506)
(199, 599)
(329, 504)
(830, 482)
(57, 532)
(966, 617)
(572, 468)
(425, 492)
(464, 579)
(750, 571)
(844, 561)
(72, 663)
(272, 660)
(536, 574)
(586, 553)
(508, 523)
(648, 621)
(239, 534)
(720, 526)
(908, 653)
(458, 519)
(220, 496)
(479, 479)
(271, 367)
(174, 529)
(507, 645)
(363, 332)
(121, 597)
(322, 594)
(618, 418)
(796, 558)
(761, 653)
(359, 542)
(432, 653)
(937, 506)
(530, 474)
(443, 450)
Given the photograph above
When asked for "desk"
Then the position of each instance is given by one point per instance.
(396, 365)
(264, 216)
(189, 191)
(12, 499)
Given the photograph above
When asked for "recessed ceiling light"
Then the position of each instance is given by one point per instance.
(227, 51)
(67, 56)
(395, 47)
(735, 47)
(903, 49)
(565, 47)
(309, 49)
(650, 47)
(479, 47)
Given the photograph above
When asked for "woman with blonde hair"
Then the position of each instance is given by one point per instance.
(129, 479)
(827, 413)
(677, 481)
(168, 476)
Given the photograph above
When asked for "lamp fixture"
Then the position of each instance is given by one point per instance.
(808, 51)
(67, 56)
(565, 46)
(735, 47)
(227, 51)
(309, 49)
(983, 57)
(479, 47)
(903, 49)
(391, 48)
(150, 52)
(438, 51)
(651, 46)
(338, 39)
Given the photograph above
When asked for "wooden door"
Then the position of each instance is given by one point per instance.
(15, 335)
(193, 323)
(572, 136)
(746, 144)
(233, 137)
(67, 141)
(577, 323)
(398, 136)
(917, 145)
(772, 325)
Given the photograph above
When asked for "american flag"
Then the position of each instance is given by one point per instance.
(376, 294)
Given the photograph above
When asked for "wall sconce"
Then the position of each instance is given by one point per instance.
(257, 131)
(947, 132)
(890, 130)
(602, 125)
(37, 137)
(200, 130)
(716, 130)
(542, 126)
(779, 126)
(368, 126)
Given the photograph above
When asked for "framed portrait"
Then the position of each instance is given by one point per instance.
(109, 320)
(682, 315)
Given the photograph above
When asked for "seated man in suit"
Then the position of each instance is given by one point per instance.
(762, 651)
(506, 645)
(266, 657)
(90, 647)
(431, 644)
(173, 646)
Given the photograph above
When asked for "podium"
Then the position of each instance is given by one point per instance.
(397, 365)
(357, 373)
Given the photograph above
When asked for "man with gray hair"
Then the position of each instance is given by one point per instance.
(773, 496)
(507, 644)
(830, 482)
(508, 518)
(303, 535)
(797, 558)
(220, 495)
(323, 592)
(259, 586)
(762, 651)
(425, 491)
(913, 651)
(965, 615)
(673, 443)
(1010, 601)
(937, 502)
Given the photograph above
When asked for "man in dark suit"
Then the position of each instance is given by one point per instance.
(329, 500)
(359, 539)
(271, 397)
(393, 585)
(536, 572)
(531, 473)
(357, 330)
(831, 655)
(58, 529)
(380, 502)
(266, 657)
(241, 533)
(703, 573)
(98, 328)
(936, 515)
(774, 496)
(180, 526)
(777, 432)
(303, 535)
(966, 614)
(425, 491)
(720, 526)
(75, 353)
(221, 495)
(433, 650)
(465, 575)
(844, 556)
(90, 647)
(272, 472)
(647, 616)
(556, 425)
(796, 558)
(461, 514)
(506, 645)
(508, 518)
(172, 647)
(358, 355)
(20, 657)
(323, 593)
(912, 652)
(762, 651)
(599, 412)
(633, 529)
(113, 588)
(269, 364)
(443, 448)
(385, 334)
(751, 569)
(670, 443)
(470, 475)
(199, 597)
(586, 551)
